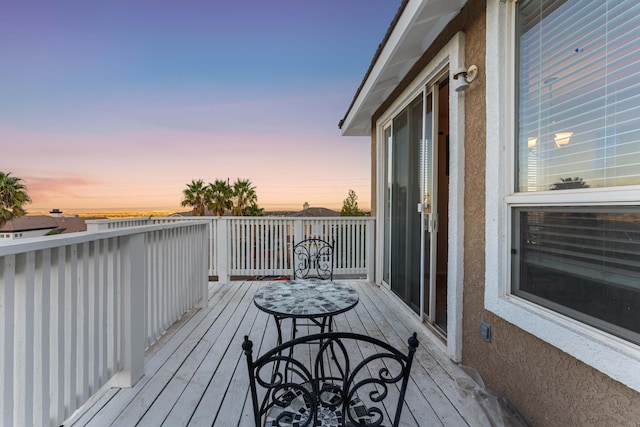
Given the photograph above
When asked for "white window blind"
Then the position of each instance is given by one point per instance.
(578, 94)
(583, 262)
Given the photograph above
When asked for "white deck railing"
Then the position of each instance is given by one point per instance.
(254, 246)
(78, 310)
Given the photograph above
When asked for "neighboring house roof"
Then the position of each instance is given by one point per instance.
(315, 212)
(187, 213)
(68, 224)
(402, 46)
(30, 223)
(64, 224)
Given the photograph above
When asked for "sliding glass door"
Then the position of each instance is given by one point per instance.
(411, 197)
(405, 195)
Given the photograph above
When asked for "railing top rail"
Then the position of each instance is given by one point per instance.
(235, 217)
(300, 218)
(231, 218)
(47, 242)
(108, 220)
(149, 218)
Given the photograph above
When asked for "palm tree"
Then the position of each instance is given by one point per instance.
(254, 210)
(13, 196)
(195, 196)
(244, 195)
(219, 197)
(569, 183)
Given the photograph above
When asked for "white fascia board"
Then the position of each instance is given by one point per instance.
(398, 49)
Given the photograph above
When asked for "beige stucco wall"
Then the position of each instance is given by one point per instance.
(549, 387)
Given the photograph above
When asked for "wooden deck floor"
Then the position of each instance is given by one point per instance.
(196, 374)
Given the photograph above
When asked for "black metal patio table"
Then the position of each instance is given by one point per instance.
(313, 299)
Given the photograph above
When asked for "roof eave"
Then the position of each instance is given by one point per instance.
(413, 30)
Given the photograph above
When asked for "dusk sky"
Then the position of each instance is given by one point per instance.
(120, 104)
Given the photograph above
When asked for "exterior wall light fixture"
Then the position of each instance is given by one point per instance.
(464, 76)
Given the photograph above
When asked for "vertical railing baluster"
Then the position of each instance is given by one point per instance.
(261, 241)
(94, 316)
(175, 262)
(279, 257)
(233, 234)
(351, 254)
(253, 246)
(213, 248)
(132, 258)
(166, 289)
(71, 331)
(175, 248)
(7, 298)
(358, 230)
(245, 246)
(249, 246)
(239, 240)
(235, 240)
(41, 353)
(162, 280)
(109, 295)
(83, 324)
(151, 287)
(167, 260)
(57, 331)
(103, 372)
(264, 246)
(23, 338)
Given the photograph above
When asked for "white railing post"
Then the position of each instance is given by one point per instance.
(133, 311)
(203, 302)
(222, 253)
(97, 225)
(371, 250)
(213, 246)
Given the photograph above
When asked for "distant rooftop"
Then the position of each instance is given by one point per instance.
(30, 223)
(308, 211)
(58, 222)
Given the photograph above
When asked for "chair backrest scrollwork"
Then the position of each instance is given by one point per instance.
(344, 379)
(313, 258)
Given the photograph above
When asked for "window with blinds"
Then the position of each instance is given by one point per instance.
(582, 262)
(578, 127)
(578, 94)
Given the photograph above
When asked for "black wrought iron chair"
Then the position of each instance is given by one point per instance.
(348, 380)
(313, 258)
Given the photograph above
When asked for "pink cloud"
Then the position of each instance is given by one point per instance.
(151, 168)
(43, 189)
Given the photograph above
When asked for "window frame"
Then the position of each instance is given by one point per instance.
(607, 353)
